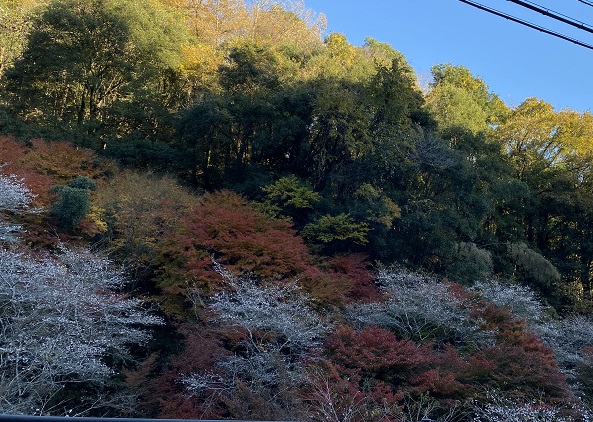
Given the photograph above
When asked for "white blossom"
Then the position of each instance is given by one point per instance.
(281, 310)
(520, 300)
(14, 197)
(279, 327)
(566, 336)
(501, 409)
(59, 317)
(420, 307)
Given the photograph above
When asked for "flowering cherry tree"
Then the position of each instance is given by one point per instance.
(276, 326)
(501, 409)
(567, 336)
(59, 318)
(421, 308)
(14, 197)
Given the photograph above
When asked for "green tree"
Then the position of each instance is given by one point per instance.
(14, 28)
(458, 99)
(549, 151)
(73, 201)
(86, 57)
(336, 232)
(259, 119)
(289, 197)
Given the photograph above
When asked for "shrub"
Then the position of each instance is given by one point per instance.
(73, 202)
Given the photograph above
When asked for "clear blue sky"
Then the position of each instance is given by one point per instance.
(516, 62)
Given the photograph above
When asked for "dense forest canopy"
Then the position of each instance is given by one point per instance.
(306, 232)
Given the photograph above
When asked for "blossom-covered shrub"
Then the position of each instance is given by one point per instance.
(421, 308)
(270, 330)
(61, 317)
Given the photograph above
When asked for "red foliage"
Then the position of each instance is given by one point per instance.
(378, 353)
(11, 151)
(327, 287)
(341, 279)
(453, 376)
(355, 268)
(166, 396)
(15, 161)
(519, 364)
(226, 227)
(337, 393)
(527, 370)
(523, 365)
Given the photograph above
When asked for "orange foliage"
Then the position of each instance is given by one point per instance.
(341, 279)
(226, 227)
(14, 160)
(62, 161)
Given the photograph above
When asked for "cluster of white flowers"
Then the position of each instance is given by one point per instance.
(14, 197)
(501, 409)
(421, 308)
(520, 300)
(279, 309)
(279, 327)
(58, 318)
(566, 336)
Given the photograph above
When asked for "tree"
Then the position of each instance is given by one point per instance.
(139, 209)
(61, 318)
(454, 107)
(534, 267)
(499, 408)
(288, 24)
(336, 231)
(289, 197)
(549, 152)
(459, 99)
(227, 228)
(421, 308)
(84, 57)
(62, 321)
(257, 122)
(14, 197)
(13, 30)
(273, 329)
(214, 22)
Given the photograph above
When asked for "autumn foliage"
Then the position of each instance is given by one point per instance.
(322, 240)
(224, 227)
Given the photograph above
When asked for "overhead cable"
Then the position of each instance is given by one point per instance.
(588, 3)
(554, 15)
(528, 24)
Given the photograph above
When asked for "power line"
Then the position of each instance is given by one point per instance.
(554, 15)
(528, 24)
(588, 3)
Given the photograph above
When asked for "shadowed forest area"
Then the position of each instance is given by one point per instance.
(210, 210)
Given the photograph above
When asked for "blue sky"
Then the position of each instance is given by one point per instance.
(516, 62)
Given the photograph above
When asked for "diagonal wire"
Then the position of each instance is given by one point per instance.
(588, 3)
(528, 24)
(554, 15)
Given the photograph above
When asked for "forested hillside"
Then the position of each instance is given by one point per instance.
(210, 210)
